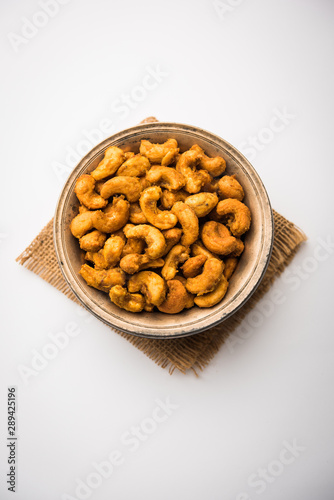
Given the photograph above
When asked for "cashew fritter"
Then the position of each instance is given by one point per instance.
(136, 214)
(189, 222)
(176, 256)
(109, 255)
(133, 302)
(136, 166)
(215, 166)
(166, 177)
(132, 263)
(124, 184)
(82, 223)
(133, 245)
(190, 296)
(148, 203)
(186, 166)
(208, 279)
(154, 238)
(229, 187)
(202, 203)
(210, 187)
(92, 242)
(237, 214)
(176, 298)
(217, 238)
(168, 198)
(102, 279)
(150, 284)
(86, 194)
(113, 158)
(230, 266)
(172, 236)
(192, 267)
(160, 153)
(198, 248)
(212, 298)
(113, 217)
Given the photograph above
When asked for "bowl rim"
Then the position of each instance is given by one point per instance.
(209, 320)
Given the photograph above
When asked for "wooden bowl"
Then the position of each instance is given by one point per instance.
(252, 264)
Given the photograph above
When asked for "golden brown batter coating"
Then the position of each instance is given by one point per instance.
(166, 177)
(189, 222)
(237, 214)
(202, 203)
(154, 238)
(86, 194)
(102, 279)
(175, 257)
(133, 302)
(124, 184)
(192, 267)
(176, 299)
(217, 238)
(160, 153)
(151, 285)
(158, 218)
(113, 217)
(113, 159)
(92, 242)
(136, 166)
(229, 187)
(208, 279)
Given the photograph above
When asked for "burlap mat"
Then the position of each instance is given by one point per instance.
(195, 351)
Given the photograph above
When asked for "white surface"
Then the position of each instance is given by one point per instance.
(225, 74)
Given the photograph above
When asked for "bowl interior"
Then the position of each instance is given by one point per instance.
(252, 264)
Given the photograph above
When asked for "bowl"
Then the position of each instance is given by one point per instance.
(252, 265)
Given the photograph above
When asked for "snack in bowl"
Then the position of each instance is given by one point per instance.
(160, 230)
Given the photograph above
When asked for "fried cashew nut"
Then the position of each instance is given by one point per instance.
(208, 279)
(211, 187)
(133, 263)
(212, 298)
(136, 214)
(229, 187)
(230, 266)
(113, 217)
(199, 249)
(82, 223)
(136, 166)
(113, 159)
(102, 279)
(166, 177)
(215, 166)
(217, 238)
(148, 204)
(176, 256)
(86, 194)
(150, 284)
(168, 198)
(202, 203)
(237, 215)
(124, 184)
(172, 236)
(92, 242)
(160, 153)
(154, 238)
(132, 302)
(189, 222)
(190, 296)
(133, 245)
(192, 267)
(186, 166)
(109, 255)
(176, 299)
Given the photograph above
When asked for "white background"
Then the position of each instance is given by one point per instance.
(226, 70)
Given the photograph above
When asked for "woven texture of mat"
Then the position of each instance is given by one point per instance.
(193, 352)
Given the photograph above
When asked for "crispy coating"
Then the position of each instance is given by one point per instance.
(215, 166)
(113, 159)
(217, 238)
(168, 198)
(172, 236)
(154, 238)
(208, 279)
(212, 298)
(229, 187)
(176, 298)
(113, 217)
(136, 214)
(177, 255)
(150, 284)
(133, 245)
(211, 187)
(192, 267)
(186, 166)
(238, 249)
(102, 279)
(82, 223)
(133, 302)
(190, 296)
(136, 166)
(83, 209)
(199, 249)
(124, 184)
(148, 203)
(166, 177)
(189, 222)
(109, 256)
(160, 153)
(133, 263)
(230, 266)
(237, 215)
(202, 203)
(92, 242)
(86, 194)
